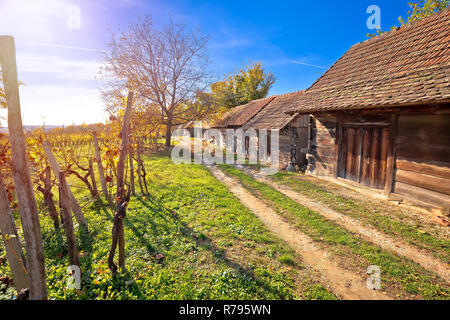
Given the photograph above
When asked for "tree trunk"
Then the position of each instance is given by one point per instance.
(11, 240)
(68, 223)
(122, 197)
(168, 134)
(22, 179)
(101, 171)
(73, 201)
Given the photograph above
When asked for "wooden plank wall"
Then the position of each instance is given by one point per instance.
(322, 156)
(285, 148)
(302, 124)
(423, 158)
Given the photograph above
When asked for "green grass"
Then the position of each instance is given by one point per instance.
(368, 214)
(396, 271)
(286, 259)
(213, 247)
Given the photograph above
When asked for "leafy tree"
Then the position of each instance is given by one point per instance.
(242, 87)
(418, 10)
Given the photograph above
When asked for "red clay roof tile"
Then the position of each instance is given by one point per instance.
(399, 67)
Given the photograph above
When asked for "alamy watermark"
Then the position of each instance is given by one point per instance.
(236, 146)
(74, 17)
(74, 280)
(374, 20)
(374, 281)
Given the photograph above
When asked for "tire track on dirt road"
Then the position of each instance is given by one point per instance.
(346, 284)
(370, 234)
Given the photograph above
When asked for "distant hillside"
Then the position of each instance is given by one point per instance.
(30, 128)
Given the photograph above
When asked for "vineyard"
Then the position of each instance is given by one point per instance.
(186, 236)
(336, 192)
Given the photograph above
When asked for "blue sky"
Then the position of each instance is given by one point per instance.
(59, 64)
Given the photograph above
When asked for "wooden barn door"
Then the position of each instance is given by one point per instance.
(363, 155)
(303, 139)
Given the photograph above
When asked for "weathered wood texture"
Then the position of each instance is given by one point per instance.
(322, 146)
(48, 196)
(132, 185)
(302, 124)
(93, 180)
(68, 222)
(391, 154)
(423, 158)
(101, 171)
(24, 189)
(285, 149)
(11, 241)
(363, 157)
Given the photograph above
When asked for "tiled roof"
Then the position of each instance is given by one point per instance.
(238, 116)
(406, 66)
(273, 115)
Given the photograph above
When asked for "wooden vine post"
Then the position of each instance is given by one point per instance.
(118, 237)
(35, 263)
(48, 196)
(92, 176)
(101, 171)
(132, 185)
(74, 206)
(11, 241)
(68, 223)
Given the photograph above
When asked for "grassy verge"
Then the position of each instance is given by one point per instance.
(191, 239)
(397, 272)
(369, 214)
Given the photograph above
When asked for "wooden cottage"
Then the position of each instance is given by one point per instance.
(189, 126)
(380, 115)
(240, 115)
(293, 129)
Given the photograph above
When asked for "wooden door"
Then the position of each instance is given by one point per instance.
(363, 155)
(302, 139)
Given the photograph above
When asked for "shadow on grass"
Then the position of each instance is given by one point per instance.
(204, 242)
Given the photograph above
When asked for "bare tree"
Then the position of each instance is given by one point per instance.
(24, 189)
(168, 67)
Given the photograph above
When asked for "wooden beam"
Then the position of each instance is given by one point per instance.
(359, 156)
(424, 181)
(365, 171)
(426, 196)
(383, 155)
(337, 148)
(390, 165)
(375, 156)
(425, 168)
(24, 188)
